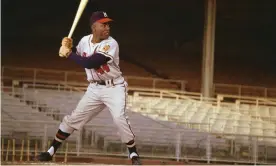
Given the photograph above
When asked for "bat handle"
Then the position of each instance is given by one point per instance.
(70, 33)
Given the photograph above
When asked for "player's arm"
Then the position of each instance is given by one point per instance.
(104, 55)
(92, 62)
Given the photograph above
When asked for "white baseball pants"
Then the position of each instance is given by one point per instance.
(95, 99)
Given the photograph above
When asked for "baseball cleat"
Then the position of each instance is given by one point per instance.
(44, 156)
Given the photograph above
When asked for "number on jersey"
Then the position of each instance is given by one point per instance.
(104, 68)
(84, 54)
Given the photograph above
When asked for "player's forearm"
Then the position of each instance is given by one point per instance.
(92, 62)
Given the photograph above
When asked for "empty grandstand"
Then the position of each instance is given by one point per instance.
(167, 123)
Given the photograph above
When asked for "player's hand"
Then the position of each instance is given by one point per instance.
(64, 51)
(67, 42)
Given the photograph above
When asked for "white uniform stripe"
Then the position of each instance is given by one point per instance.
(132, 145)
(59, 140)
(133, 154)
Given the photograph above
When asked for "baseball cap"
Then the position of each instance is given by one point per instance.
(99, 16)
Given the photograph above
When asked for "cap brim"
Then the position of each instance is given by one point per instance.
(104, 20)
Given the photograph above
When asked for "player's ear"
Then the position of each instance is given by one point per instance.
(93, 28)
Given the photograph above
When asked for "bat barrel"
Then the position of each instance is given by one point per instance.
(82, 5)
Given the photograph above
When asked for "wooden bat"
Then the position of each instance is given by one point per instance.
(82, 5)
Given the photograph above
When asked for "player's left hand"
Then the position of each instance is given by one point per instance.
(64, 51)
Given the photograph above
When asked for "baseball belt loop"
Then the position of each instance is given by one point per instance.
(107, 83)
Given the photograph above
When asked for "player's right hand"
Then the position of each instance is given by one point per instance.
(64, 51)
(67, 42)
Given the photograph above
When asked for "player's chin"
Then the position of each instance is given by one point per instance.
(106, 33)
(105, 36)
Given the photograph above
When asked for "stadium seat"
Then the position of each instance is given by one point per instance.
(199, 116)
(264, 111)
(256, 129)
(244, 108)
(254, 111)
(232, 123)
(269, 130)
(272, 113)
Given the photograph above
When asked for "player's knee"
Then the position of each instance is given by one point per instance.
(65, 125)
(118, 114)
(119, 119)
(116, 119)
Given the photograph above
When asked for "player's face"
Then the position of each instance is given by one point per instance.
(102, 30)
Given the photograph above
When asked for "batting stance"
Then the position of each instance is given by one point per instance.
(98, 53)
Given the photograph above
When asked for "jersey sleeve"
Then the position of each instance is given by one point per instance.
(109, 49)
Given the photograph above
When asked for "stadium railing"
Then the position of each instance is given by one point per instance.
(71, 77)
(35, 74)
(244, 90)
(179, 147)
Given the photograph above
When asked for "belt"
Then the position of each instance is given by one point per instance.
(111, 82)
(101, 82)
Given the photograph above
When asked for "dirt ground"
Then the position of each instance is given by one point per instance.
(94, 160)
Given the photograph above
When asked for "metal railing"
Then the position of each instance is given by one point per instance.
(224, 148)
(36, 75)
(244, 90)
(71, 77)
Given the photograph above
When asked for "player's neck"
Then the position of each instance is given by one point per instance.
(95, 39)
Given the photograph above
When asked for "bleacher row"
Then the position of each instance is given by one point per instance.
(12, 110)
(102, 124)
(212, 119)
(152, 111)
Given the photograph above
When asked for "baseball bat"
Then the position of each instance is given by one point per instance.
(82, 5)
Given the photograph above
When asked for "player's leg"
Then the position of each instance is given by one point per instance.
(115, 99)
(88, 107)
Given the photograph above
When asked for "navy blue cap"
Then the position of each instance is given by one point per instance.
(99, 16)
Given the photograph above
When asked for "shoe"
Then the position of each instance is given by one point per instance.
(44, 156)
(136, 160)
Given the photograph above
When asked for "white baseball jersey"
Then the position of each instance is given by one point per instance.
(108, 47)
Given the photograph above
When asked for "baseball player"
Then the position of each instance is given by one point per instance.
(98, 53)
